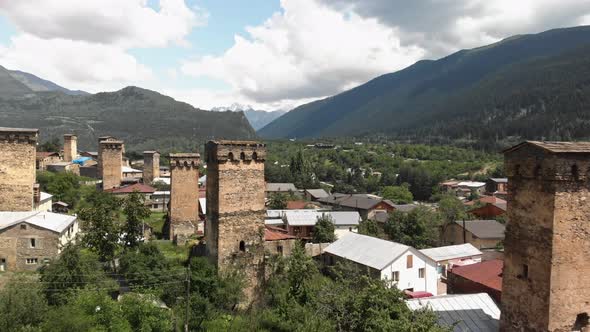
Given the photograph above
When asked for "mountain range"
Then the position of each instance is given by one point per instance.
(144, 119)
(257, 118)
(527, 86)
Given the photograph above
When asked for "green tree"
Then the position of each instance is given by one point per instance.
(100, 225)
(301, 271)
(136, 212)
(451, 209)
(323, 231)
(64, 186)
(398, 194)
(146, 266)
(22, 305)
(73, 270)
(278, 201)
(369, 227)
(418, 228)
(52, 145)
(142, 313)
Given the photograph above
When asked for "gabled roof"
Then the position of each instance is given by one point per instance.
(554, 147)
(367, 250)
(462, 312)
(451, 252)
(43, 154)
(43, 196)
(357, 201)
(280, 187)
(484, 229)
(308, 217)
(488, 273)
(48, 220)
(499, 180)
(139, 187)
(317, 193)
(276, 234)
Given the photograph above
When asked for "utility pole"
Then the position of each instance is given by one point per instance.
(188, 294)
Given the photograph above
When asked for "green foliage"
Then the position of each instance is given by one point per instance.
(143, 315)
(64, 186)
(100, 225)
(136, 212)
(418, 228)
(72, 271)
(22, 305)
(370, 227)
(52, 145)
(145, 266)
(323, 232)
(278, 201)
(398, 194)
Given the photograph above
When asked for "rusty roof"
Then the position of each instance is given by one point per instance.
(276, 234)
(555, 147)
(488, 273)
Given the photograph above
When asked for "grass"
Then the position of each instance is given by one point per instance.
(156, 221)
(172, 251)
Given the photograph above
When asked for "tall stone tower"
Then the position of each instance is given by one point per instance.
(546, 275)
(18, 147)
(99, 161)
(184, 195)
(235, 209)
(151, 166)
(70, 147)
(111, 158)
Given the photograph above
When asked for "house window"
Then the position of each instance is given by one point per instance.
(33, 243)
(23, 226)
(409, 261)
(395, 276)
(525, 271)
(350, 229)
(32, 261)
(280, 250)
(421, 273)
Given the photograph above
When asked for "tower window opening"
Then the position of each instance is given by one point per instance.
(242, 246)
(517, 170)
(242, 156)
(255, 156)
(575, 172)
(581, 322)
(230, 156)
(537, 171)
(525, 271)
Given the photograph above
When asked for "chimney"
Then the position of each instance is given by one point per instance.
(70, 147)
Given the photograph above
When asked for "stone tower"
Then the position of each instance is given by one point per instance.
(99, 161)
(111, 158)
(151, 166)
(235, 209)
(546, 275)
(70, 147)
(18, 147)
(184, 195)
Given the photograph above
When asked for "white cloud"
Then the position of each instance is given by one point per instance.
(129, 23)
(308, 51)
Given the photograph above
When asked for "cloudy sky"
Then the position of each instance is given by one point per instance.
(270, 54)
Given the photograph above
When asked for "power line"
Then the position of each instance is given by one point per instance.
(98, 289)
(90, 282)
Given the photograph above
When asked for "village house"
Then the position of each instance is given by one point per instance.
(44, 202)
(463, 188)
(382, 216)
(487, 207)
(158, 200)
(401, 266)
(30, 239)
(278, 242)
(301, 223)
(366, 205)
(462, 312)
(42, 159)
(483, 277)
(60, 207)
(482, 234)
(315, 194)
(455, 255)
(280, 188)
(497, 186)
(141, 188)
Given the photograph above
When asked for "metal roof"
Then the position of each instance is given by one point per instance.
(451, 252)
(43, 196)
(484, 229)
(307, 217)
(317, 193)
(462, 312)
(367, 250)
(280, 187)
(52, 221)
(500, 180)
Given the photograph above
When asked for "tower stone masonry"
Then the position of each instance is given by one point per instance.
(111, 158)
(546, 276)
(18, 147)
(184, 195)
(151, 166)
(70, 147)
(234, 231)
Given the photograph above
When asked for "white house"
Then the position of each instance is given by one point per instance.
(446, 257)
(405, 267)
(301, 222)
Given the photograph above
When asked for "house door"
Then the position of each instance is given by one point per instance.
(2, 264)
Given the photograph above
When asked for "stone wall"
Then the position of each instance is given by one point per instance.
(184, 195)
(70, 147)
(111, 161)
(281, 248)
(15, 246)
(235, 210)
(17, 168)
(454, 235)
(546, 273)
(151, 166)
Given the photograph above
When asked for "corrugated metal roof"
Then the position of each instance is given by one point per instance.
(462, 312)
(451, 252)
(317, 193)
(307, 217)
(367, 250)
(484, 229)
(280, 187)
(488, 273)
(52, 221)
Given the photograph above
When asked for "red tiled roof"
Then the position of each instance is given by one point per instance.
(140, 187)
(488, 273)
(276, 234)
(486, 199)
(296, 205)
